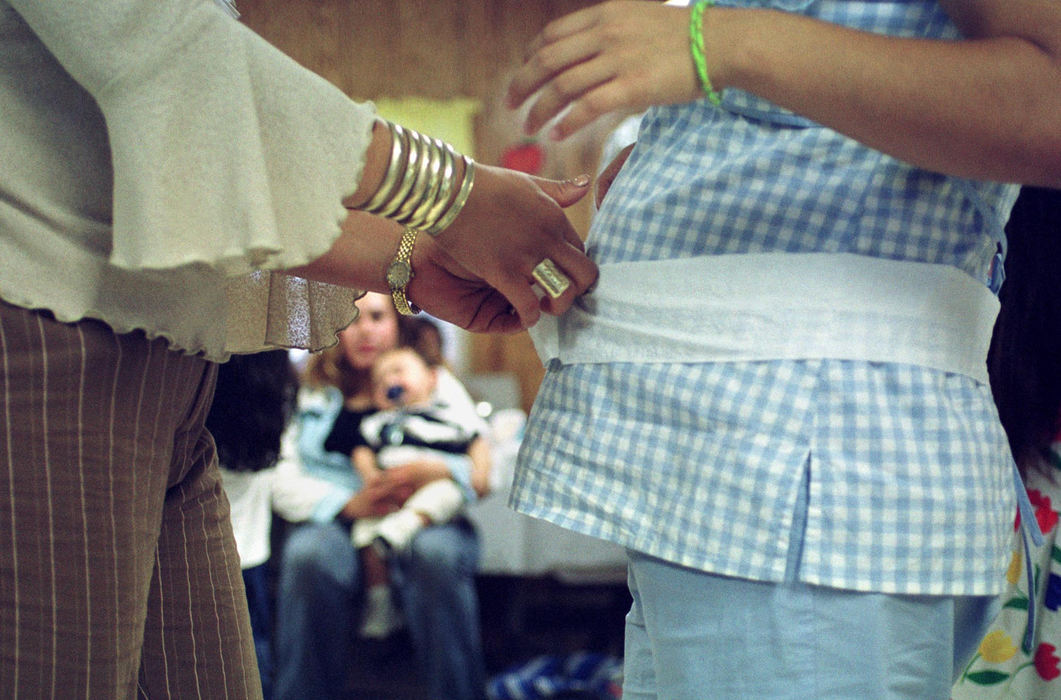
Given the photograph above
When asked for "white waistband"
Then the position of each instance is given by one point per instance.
(773, 306)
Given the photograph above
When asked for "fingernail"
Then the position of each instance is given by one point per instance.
(580, 180)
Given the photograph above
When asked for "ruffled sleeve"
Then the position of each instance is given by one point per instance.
(226, 153)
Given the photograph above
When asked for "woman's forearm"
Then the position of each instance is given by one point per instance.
(985, 107)
(359, 257)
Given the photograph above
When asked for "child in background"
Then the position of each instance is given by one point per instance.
(410, 426)
(253, 402)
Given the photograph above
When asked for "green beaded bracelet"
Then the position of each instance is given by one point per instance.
(696, 45)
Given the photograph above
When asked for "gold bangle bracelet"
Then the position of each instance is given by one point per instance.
(420, 184)
(459, 202)
(418, 216)
(393, 172)
(446, 186)
(411, 146)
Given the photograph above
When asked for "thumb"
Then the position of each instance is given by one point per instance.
(608, 175)
(565, 192)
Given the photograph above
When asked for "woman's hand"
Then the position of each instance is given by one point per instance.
(477, 272)
(445, 289)
(412, 476)
(510, 223)
(373, 501)
(496, 245)
(622, 56)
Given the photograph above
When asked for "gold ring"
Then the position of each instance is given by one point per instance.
(551, 279)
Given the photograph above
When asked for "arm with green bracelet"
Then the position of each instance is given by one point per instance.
(983, 106)
(696, 47)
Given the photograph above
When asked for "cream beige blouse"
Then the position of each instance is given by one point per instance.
(157, 160)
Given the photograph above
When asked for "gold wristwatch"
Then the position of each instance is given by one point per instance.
(400, 272)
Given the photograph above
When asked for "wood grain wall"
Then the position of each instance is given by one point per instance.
(437, 49)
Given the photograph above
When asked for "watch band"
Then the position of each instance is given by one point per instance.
(400, 273)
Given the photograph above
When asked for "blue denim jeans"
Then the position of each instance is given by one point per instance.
(319, 609)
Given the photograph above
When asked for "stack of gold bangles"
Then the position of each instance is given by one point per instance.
(417, 189)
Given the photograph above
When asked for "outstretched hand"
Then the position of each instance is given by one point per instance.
(614, 57)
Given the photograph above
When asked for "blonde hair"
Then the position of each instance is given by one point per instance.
(327, 368)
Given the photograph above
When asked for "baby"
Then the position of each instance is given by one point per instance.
(410, 426)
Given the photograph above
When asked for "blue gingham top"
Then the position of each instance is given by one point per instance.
(909, 472)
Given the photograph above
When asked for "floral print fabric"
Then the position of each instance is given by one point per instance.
(1001, 668)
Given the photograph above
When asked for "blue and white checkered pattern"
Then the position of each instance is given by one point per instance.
(910, 475)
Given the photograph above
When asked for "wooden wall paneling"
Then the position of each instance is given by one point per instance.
(370, 36)
(307, 32)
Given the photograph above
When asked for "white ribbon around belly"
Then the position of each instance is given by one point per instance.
(777, 306)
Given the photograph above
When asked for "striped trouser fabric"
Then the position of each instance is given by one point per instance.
(118, 571)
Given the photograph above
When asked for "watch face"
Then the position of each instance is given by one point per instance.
(399, 273)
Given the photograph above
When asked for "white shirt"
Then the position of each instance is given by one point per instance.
(250, 496)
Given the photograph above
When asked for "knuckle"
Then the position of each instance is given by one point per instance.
(611, 33)
(565, 87)
(547, 60)
(597, 102)
(552, 32)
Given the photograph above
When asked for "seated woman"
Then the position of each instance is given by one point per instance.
(320, 598)
(411, 424)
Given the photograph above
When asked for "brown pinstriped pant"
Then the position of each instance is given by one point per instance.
(118, 572)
